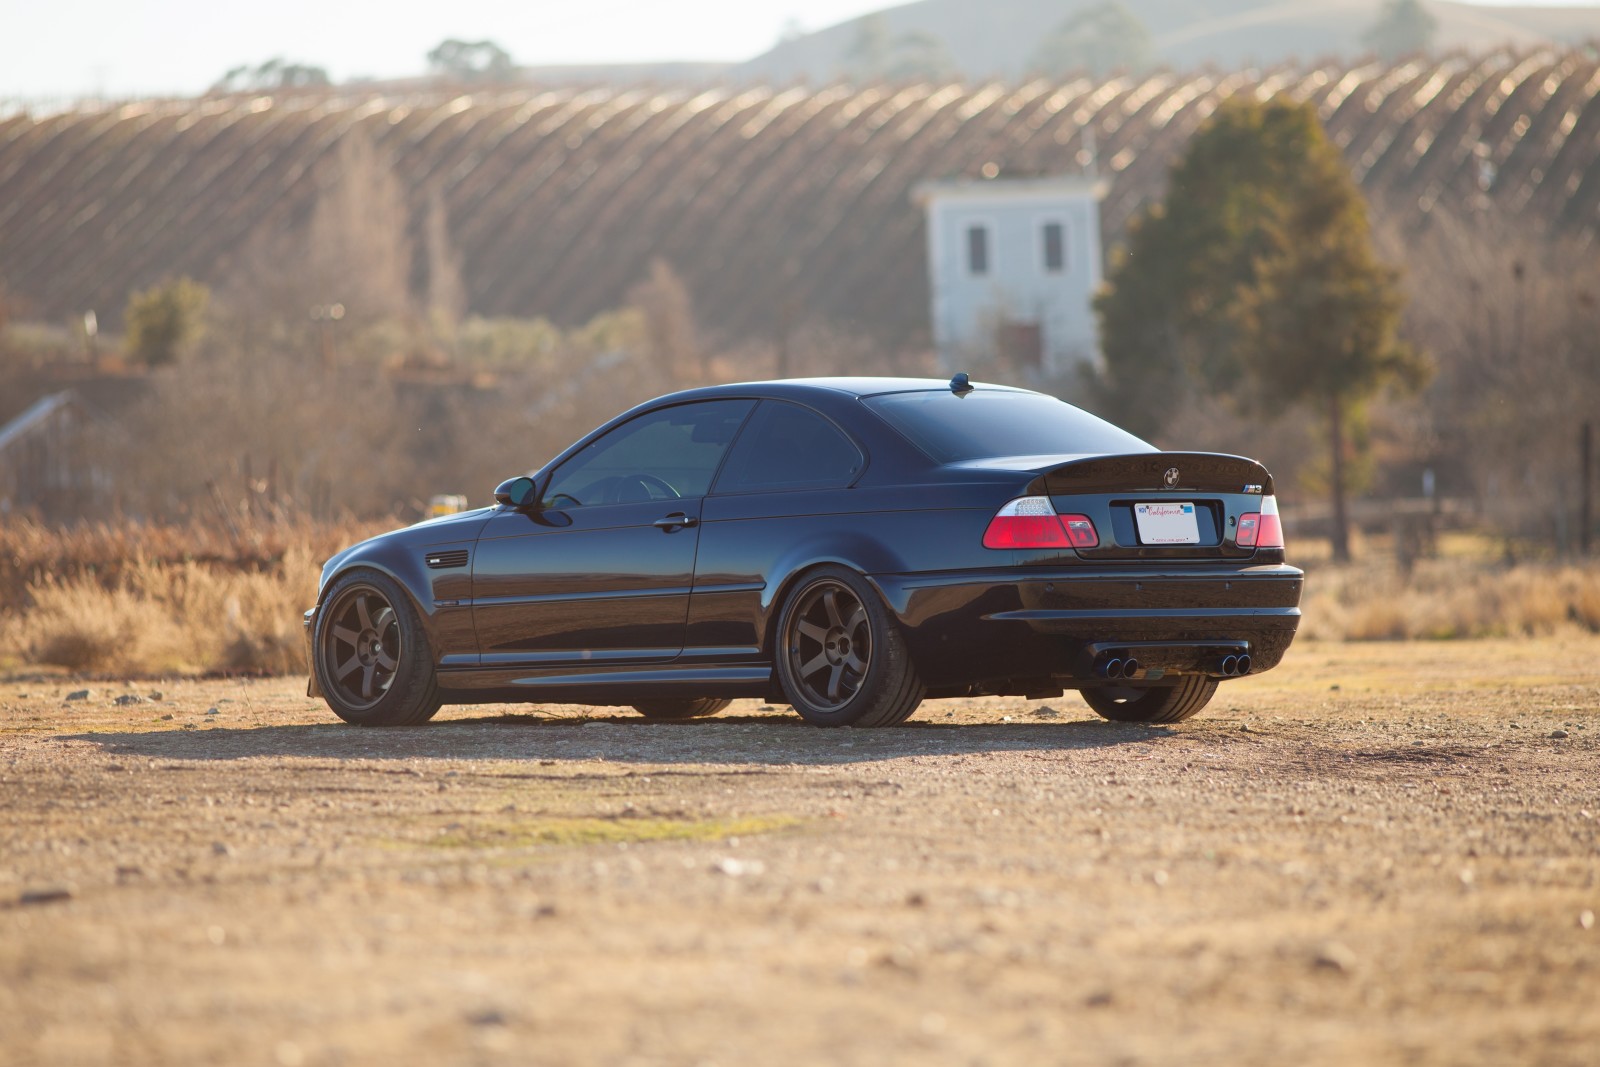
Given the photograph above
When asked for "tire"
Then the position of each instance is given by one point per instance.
(841, 658)
(1169, 702)
(668, 710)
(371, 653)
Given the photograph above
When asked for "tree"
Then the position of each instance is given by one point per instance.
(867, 58)
(1321, 332)
(1511, 305)
(271, 76)
(917, 55)
(664, 301)
(1099, 40)
(162, 322)
(1256, 278)
(1403, 27)
(471, 61)
(791, 30)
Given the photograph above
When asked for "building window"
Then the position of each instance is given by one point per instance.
(1054, 235)
(978, 249)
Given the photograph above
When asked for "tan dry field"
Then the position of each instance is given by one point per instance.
(1375, 854)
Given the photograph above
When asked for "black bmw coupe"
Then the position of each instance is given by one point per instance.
(847, 546)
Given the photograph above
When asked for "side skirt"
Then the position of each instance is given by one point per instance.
(602, 687)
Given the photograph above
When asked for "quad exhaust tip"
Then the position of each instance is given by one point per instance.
(1113, 665)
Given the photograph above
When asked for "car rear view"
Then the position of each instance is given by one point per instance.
(1142, 578)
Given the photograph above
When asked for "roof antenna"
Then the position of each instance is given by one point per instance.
(960, 385)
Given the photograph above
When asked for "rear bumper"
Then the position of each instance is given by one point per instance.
(977, 627)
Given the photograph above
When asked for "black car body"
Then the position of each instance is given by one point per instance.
(848, 546)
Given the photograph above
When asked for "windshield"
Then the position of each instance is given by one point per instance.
(988, 424)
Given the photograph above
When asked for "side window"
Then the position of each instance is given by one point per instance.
(977, 250)
(661, 455)
(1054, 238)
(787, 446)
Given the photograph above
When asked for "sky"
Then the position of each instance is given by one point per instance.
(72, 48)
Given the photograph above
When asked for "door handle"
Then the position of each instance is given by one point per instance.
(675, 521)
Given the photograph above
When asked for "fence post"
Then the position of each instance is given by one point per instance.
(1586, 496)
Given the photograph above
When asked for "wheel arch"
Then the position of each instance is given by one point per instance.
(377, 563)
(409, 694)
(861, 554)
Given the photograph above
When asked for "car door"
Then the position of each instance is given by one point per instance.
(600, 571)
(784, 486)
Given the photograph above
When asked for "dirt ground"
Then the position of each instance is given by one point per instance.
(1374, 854)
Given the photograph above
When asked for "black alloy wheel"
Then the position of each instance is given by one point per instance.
(372, 658)
(841, 657)
(1155, 703)
(830, 644)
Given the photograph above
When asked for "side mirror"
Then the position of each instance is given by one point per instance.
(519, 492)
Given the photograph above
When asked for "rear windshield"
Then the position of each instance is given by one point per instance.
(990, 424)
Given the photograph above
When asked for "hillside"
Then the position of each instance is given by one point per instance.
(995, 39)
(554, 203)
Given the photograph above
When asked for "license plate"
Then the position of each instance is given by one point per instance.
(1166, 524)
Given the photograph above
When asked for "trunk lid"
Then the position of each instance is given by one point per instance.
(1142, 504)
(1196, 472)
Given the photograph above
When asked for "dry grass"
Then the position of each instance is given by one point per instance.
(171, 618)
(1449, 598)
(134, 599)
(31, 552)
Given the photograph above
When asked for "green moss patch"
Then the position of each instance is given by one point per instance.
(598, 830)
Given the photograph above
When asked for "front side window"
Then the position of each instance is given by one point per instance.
(978, 249)
(662, 455)
(787, 446)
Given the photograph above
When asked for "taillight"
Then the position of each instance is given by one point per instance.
(1080, 531)
(1032, 522)
(1261, 529)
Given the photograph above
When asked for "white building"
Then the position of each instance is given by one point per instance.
(1013, 264)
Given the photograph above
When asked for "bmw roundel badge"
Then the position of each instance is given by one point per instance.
(1171, 477)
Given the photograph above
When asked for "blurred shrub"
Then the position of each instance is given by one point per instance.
(164, 321)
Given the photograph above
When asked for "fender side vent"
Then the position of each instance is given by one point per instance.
(454, 557)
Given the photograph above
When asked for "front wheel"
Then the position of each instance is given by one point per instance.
(1155, 703)
(841, 657)
(371, 654)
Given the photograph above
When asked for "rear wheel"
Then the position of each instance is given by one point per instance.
(681, 709)
(372, 657)
(1157, 702)
(841, 657)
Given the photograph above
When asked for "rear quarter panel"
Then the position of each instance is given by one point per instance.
(753, 547)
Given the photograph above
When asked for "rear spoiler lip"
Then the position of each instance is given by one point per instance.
(1148, 472)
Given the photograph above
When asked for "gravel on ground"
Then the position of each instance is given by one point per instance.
(1374, 854)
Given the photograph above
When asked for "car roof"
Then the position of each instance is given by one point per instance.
(857, 387)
